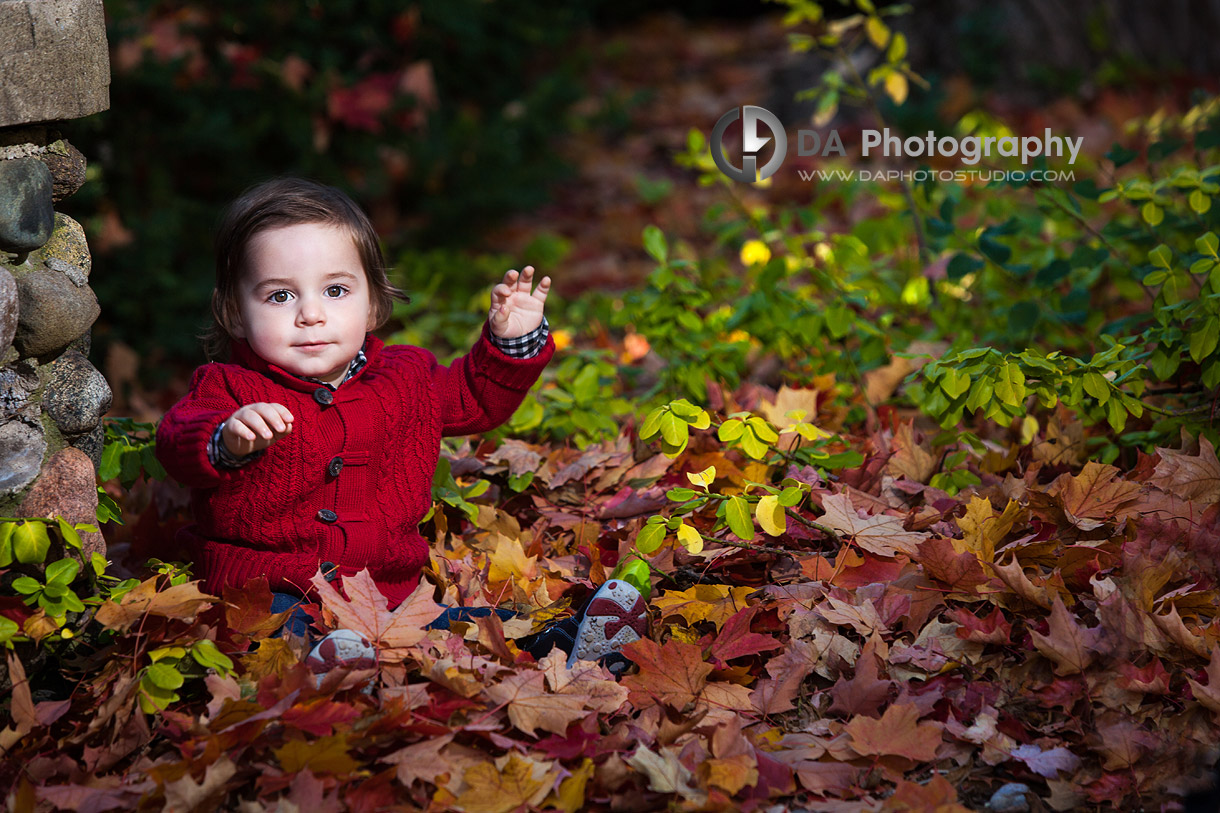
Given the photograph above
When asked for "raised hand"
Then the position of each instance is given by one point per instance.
(516, 311)
(254, 427)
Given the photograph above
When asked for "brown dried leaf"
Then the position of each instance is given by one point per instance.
(882, 535)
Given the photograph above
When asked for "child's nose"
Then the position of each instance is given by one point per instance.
(311, 312)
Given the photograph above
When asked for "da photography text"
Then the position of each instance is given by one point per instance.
(969, 150)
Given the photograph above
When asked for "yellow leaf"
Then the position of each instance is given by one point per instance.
(498, 790)
(755, 252)
(878, 32)
(273, 657)
(731, 773)
(571, 794)
(983, 529)
(896, 87)
(704, 602)
(770, 515)
(509, 561)
(703, 479)
(321, 755)
(690, 538)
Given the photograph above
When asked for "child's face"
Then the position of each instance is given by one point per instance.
(303, 300)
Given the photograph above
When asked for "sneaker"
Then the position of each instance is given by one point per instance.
(343, 649)
(613, 618)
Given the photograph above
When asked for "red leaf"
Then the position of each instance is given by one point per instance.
(736, 641)
(320, 717)
(993, 629)
(959, 571)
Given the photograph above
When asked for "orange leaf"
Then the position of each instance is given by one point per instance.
(897, 733)
(530, 706)
(248, 609)
(937, 796)
(368, 615)
(182, 601)
(673, 674)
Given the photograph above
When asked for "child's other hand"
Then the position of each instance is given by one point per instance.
(254, 427)
(514, 310)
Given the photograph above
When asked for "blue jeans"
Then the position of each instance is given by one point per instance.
(298, 622)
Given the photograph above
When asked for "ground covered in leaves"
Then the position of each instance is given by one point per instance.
(892, 648)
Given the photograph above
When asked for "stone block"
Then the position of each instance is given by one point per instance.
(67, 488)
(54, 62)
(54, 312)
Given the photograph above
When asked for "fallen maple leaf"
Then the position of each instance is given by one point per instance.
(184, 795)
(665, 773)
(182, 601)
(1209, 695)
(937, 796)
(1047, 764)
(910, 459)
(880, 534)
(368, 615)
(941, 560)
(736, 641)
(730, 773)
(703, 602)
(1191, 477)
(321, 755)
(865, 692)
(897, 733)
(1071, 646)
(673, 674)
(983, 530)
(530, 706)
(509, 783)
(596, 687)
(1095, 496)
(248, 609)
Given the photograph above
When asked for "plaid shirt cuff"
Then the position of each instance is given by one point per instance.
(524, 347)
(222, 458)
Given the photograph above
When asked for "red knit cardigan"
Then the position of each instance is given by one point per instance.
(352, 481)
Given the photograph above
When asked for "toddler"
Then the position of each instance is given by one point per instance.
(316, 444)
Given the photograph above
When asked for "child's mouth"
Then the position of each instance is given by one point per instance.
(313, 345)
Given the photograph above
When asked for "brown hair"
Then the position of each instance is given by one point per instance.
(288, 202)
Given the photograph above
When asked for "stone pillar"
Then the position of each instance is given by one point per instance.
(54, 65)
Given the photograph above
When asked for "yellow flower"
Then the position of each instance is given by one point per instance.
(562, 339)
(755, 252)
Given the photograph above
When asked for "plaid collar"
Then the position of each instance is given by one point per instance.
(357, 364)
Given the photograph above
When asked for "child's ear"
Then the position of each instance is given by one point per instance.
(237, 328)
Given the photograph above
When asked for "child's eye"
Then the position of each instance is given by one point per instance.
(336, 291)
(279, 297)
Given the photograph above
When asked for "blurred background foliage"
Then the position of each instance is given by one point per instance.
(438, 116)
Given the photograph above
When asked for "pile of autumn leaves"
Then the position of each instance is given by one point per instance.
(1056, 628)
